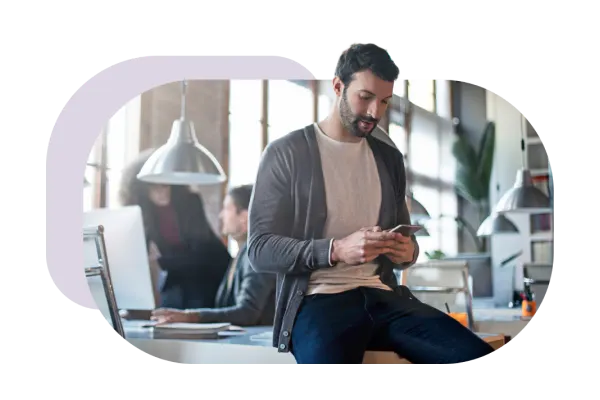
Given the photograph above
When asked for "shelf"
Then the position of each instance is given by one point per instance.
(541, 236)
(539, 171)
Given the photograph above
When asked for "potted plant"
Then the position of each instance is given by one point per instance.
(473, 174)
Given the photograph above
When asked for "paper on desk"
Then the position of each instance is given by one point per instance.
(262, 336)
(194, 326)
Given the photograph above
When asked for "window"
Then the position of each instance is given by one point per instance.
(90, 177)
(443, 99)
(122, 143)
(399, 88)
(398, 136)
(290, 108)
(428, 197)
(424, 149)
(422, 94)
(432, 168)
(245, 130)
(324, 106)
(118, 145)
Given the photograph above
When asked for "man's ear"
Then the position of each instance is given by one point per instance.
(338, 86)
(244, 216)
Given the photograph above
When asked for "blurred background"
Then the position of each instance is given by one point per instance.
(442, 127)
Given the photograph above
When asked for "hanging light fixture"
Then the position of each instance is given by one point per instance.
(523, 196)
(496, 224)
(417, 212)
(182, 160)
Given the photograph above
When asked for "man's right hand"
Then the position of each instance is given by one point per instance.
(362, 246)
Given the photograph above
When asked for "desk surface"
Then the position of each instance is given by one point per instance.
(237, 347)
(248, 336)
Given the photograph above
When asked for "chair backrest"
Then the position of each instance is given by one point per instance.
(424, 278)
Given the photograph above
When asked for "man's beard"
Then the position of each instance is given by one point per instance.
(351, 121)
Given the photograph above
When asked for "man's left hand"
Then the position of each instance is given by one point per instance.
(171, 315)
(403, 251)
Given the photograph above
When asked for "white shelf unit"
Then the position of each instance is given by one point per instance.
(539, 226)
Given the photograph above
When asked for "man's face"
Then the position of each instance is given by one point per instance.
(234, 222)
(363, 102)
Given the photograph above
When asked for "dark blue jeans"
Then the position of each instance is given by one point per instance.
(339, 328)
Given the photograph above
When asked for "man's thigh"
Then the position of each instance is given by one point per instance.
(423, 334)
(331, 329)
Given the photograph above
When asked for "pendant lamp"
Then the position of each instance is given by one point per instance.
(182, 160)
(523, 197)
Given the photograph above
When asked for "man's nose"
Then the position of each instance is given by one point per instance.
(376, 110)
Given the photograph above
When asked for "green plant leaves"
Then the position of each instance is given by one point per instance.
(474, 169)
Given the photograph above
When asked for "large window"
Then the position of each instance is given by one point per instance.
(245, 130)
(116, 145)
(91, 177)
(122, 145)
(431, 163)
(422, 94)
(399, 88)
(290, 107)
(398, 136)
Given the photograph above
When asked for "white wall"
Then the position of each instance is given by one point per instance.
(507, 161)
(508, 156)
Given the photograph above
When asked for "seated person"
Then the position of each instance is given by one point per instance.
(187, 258)
(245, 297)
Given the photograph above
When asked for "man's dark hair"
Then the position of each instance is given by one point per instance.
(241, 196)
(361, 57)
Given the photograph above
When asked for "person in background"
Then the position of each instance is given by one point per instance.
(245, 297)
(192, 259)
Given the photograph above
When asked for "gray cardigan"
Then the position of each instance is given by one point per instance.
(287, 216)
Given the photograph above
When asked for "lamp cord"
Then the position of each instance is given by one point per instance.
(183, 93)
(522, 142)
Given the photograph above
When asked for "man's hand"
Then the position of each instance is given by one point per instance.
(362, 246)
(170, 315)
(402, 251)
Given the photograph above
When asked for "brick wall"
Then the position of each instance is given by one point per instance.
(207, 107)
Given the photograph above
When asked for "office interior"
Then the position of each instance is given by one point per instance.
(479, 182)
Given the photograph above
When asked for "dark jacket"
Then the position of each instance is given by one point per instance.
(192, 272)
(288, 212)
(249, 301)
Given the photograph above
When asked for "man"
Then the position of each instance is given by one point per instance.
(324, 196)
(245, 297)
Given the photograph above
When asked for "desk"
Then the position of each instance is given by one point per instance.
(238, 348)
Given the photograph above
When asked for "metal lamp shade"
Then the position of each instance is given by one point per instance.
(182, 160)
(496, 224)
(523, 196)
(416, 210)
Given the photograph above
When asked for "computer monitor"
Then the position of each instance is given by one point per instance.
(127, 255)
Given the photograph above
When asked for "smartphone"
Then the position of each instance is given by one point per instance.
(406, 230)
